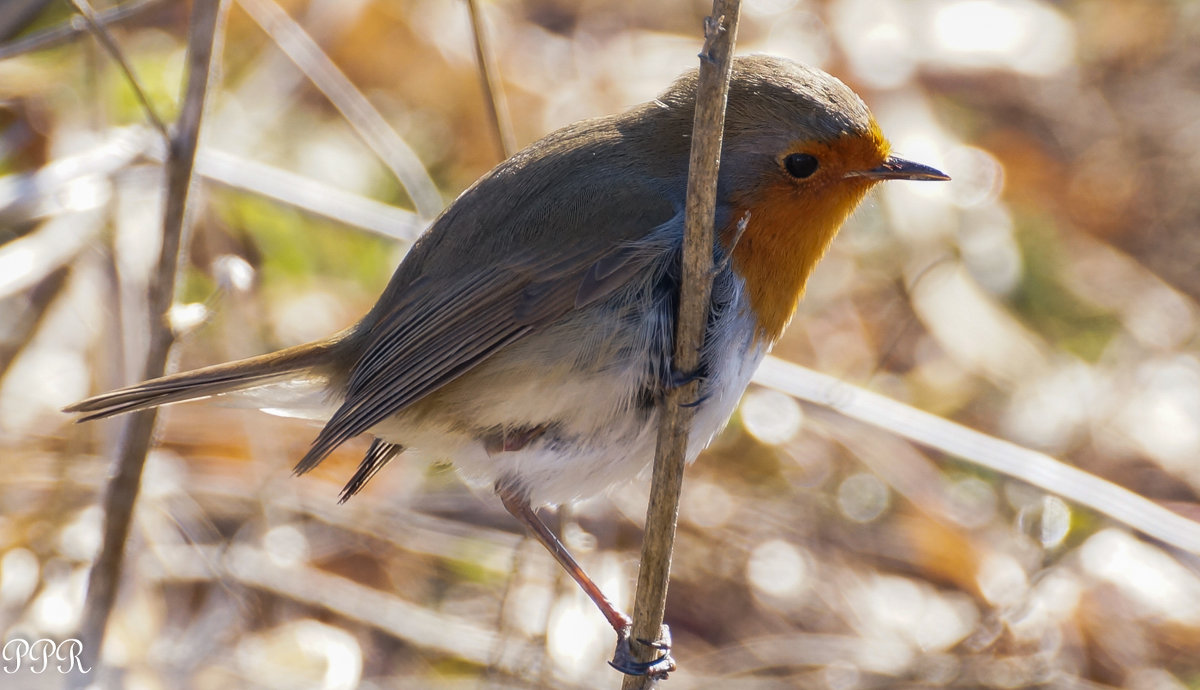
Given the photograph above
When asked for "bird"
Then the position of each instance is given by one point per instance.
(526, 336)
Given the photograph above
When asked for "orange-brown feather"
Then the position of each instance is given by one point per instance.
(792, 223)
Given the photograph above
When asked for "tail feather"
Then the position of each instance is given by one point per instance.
(201, 383)
(379, 454)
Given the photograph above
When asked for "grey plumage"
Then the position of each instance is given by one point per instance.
(569, 226)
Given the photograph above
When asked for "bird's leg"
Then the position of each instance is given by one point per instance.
(517, 504)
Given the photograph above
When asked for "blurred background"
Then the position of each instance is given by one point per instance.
(1048, 296)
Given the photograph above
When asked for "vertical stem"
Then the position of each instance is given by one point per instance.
(675, 418)
(105, 38)
(121, 492)
(493, 91)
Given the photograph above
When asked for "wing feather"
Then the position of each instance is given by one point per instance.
(444, 313)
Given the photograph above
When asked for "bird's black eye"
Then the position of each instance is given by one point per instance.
(800, 165)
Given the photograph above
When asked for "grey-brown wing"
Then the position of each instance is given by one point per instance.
(445, 327)
(472, 285)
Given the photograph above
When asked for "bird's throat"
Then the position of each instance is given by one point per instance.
(785, 236)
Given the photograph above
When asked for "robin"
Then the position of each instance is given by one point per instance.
(526, 336)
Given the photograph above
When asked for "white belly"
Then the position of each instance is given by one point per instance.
(600, 439)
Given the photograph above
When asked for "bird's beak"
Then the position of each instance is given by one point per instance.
(899, 169)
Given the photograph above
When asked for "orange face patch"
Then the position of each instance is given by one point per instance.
(792, 222)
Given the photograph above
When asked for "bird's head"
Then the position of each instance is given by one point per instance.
(801, 151)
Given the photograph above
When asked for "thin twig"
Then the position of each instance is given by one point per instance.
(98, 29)
(506, 144)
(272, 83)
(70, 30)
(416, 625)
(493, 90)
(122, 490)
(27, 260)
(959, 441)
(18, 15)
(41, 194)
(676, 410)
(367, 122)
(29, 315)
(238, 172)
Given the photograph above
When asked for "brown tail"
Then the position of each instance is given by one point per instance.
(201, 383)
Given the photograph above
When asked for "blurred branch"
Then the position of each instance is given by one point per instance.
(29, 314)
(114, 51)
(677, 407)
(896, 461)
(350, 102)
(503, 613)
(70, 30)
(16, 15)
(270, 81)
(308, 194)
(416, 625)
(493, 89)
(506, 143)
(121, 493)
(29, 259)
(73, 184)
(69, 183)
(367, 518)
(1008, 458)
(792, 650)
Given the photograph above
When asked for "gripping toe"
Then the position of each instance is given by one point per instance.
(624, 660)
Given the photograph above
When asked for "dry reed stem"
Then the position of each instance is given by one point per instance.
(121, 493)
(675, 413)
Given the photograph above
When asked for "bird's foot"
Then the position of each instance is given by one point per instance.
(678, 379)
(624, 660)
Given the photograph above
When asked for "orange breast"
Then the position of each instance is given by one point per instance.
(791, 223)
(788, 231)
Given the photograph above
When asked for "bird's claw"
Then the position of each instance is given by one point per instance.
(660, 645)
(678, 379)
(713, 27)
(624, 661)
